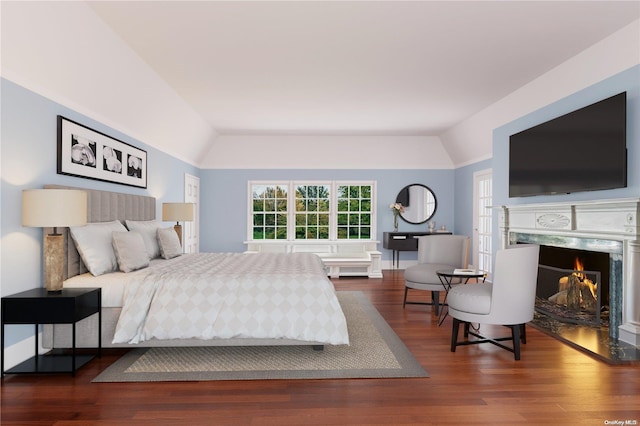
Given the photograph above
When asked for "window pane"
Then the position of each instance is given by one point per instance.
(342, 232)
(365, 232)
(323, 205)
(269, 198)
(258, 233)
(300, 232)
(269, 219)
(270, 232)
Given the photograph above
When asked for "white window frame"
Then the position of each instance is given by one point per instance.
(333, 203)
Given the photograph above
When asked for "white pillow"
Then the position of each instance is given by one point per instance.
(169, 243)
(93, 242)
(130, 251)
(149, 231)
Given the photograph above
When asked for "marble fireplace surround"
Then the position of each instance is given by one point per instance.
(611, 226)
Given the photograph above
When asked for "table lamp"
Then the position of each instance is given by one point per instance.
(178, 212)
(51, 208)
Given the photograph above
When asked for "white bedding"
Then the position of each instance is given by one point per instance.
(112, 284)
(231, 295)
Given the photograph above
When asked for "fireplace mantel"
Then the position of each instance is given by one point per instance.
(614, 220)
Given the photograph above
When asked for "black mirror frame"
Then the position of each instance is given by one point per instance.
(406, 188)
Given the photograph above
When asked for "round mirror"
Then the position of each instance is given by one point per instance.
(419, 203)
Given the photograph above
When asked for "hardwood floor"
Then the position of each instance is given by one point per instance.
(481, 384)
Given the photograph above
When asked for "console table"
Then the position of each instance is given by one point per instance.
(404, 241)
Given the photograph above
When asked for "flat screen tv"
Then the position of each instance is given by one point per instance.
(584, 150)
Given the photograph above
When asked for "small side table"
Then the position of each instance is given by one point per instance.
(38, 306)
(446, 278)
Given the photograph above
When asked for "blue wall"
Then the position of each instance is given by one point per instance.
(224, 200)
(29, 143)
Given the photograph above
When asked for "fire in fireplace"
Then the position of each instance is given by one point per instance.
(573, 294)
(577, 291)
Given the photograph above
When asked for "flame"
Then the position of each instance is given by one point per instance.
(578, 266)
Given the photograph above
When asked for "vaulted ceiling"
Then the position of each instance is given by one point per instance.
(355, 67)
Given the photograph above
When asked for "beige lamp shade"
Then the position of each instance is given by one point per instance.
(54, 207)
(177, 212)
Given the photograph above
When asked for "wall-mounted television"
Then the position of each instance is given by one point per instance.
(584, 150)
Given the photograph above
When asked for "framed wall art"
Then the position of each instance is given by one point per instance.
(87, 153)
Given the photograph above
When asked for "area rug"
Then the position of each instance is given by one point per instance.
(375, 351)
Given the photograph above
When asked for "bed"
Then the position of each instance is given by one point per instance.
(204, 299)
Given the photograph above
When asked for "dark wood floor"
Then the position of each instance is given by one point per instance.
(481, 384)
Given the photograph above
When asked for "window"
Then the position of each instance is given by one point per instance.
(311, 210)
(354, 212)
(269, 212)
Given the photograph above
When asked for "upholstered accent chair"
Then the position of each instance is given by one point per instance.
(509, 300)
(435, 252)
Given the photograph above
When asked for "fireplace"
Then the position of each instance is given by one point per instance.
(579, 280)
(605, 235)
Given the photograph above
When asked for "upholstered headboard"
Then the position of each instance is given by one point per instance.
(104, 206)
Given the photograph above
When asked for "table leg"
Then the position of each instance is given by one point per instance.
(446, 283)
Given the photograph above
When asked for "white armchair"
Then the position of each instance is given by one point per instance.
(508, 301)
(435, 252)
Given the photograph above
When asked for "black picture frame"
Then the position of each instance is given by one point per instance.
(90, 154)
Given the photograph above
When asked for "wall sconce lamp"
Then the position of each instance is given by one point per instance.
(53, 208)
(177, 212)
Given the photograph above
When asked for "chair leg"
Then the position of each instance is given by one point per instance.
(523, 333)
(454, 334)
(404, 303)
(515, 333)
(435, 298)
(466, 329)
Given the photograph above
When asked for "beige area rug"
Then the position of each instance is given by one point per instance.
(375, 351)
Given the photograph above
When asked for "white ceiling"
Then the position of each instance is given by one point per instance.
(358, 67)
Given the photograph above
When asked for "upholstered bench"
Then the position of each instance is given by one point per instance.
(341, 258)
(346, 263)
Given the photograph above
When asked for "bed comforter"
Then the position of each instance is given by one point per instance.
(233, 295)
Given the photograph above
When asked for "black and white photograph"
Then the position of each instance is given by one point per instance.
(90, 154)
(134, 168)
(83, 151)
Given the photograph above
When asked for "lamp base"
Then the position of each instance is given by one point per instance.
(178, 228)
(53, 252)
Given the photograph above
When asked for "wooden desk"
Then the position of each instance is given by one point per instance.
(404, 241)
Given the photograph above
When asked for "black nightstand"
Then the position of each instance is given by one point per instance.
(38, 306)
